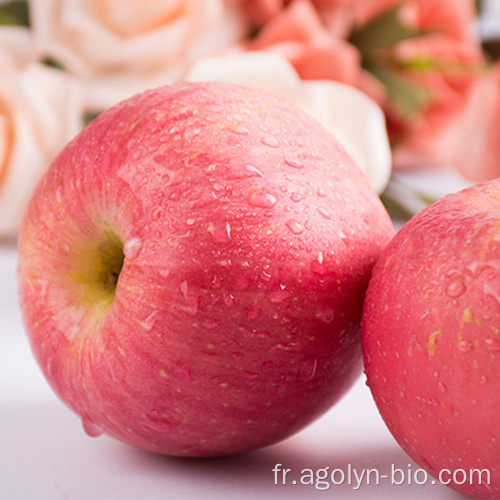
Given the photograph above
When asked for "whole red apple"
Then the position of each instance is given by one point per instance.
(431, 339)
(192, 270)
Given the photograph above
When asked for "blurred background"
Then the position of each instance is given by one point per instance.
(411, 87)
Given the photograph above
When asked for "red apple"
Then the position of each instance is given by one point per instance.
(431, 339)
(192, 270)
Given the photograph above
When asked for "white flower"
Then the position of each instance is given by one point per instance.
(356, 120)
(120, 47)
(40, 111)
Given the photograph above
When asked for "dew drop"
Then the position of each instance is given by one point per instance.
(132, 248)
(294, 162)
(325, 314)
(91, 428)
(228, 299)
(261, 198)
(442, 387)
(252, 171)
(432, 401)
(296, 197)
(184, 289)
(294, 226)
(483, 380)
(321, 193)
(307, 369)
(240, 130)
(278, 296)
(464, 346)
(210, 323)
(455, 286)
(265, 276)
(492, 345)
(254, 312)
(150, 321)
(323, 213)
(239, 171)
(175, 195)
(270, 141)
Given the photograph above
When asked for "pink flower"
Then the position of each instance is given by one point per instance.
(447, 71)
(119, 48)
(298, 34)
(419, 62)
(473, 139)
(40, 110)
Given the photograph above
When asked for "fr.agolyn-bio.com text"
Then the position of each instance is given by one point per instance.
(323, 479)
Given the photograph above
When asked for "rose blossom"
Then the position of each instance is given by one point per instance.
(121, 47)
(39, 112)
(441, 64)
(349, 114)
(299, 35)
(474, 138)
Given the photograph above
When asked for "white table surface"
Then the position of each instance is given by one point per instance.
(44, 452)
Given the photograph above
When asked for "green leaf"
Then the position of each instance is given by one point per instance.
(53, 63)
(492, 48)
(409, 97)
(14, 13)
(382, 32)
(89, 116)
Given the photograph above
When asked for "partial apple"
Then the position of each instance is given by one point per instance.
(192, 270)
(431, 339)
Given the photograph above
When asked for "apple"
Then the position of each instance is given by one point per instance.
(192, 269)
(431, 339)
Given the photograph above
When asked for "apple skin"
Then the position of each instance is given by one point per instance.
(431, 336)
(192, 269)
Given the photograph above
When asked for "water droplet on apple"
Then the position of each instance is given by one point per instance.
(317, 265)
(323, 213)
(432, 401)
(254, 312)
(228, 299)
(483, 380)
(464, 345)
(175, 195)
(132, 248)
(270, 141)
(293, 161)
(91, 428)
(239, 130)
(150, 321)
(321, 192)
(492, 344)
(278, 296)
(210, 323)
(261, 198)
(184, 289)
(442, 387)
(455, 286)
(245, 171)
(294, 226)
(296, 197)
(325, 314)
(307, 369)
(265, 276)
